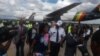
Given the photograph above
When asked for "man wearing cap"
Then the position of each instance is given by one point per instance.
(57, 35)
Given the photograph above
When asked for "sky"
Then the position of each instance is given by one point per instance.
(50, 1)
(27, 7)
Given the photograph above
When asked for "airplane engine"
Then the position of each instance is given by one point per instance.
(80, 16)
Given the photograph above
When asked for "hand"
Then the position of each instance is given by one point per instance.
(30, 54)
(27, 42)
(61, 44)
(48, 51)
(34, 54)
(10, 40)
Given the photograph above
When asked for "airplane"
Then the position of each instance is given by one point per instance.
(32, 17)
(80, 15)
(65, 14)
(51, 15)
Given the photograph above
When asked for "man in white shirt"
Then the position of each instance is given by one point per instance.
(57, 35)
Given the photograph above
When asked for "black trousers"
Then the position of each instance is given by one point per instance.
(70, 51)
(83, 50)
(55, 47)
(20, 48)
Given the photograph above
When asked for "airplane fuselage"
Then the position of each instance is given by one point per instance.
(80, 16)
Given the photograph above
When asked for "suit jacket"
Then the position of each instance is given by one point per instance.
(20, 37)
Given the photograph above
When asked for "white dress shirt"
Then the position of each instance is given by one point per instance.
(33, 33)
(53, 34)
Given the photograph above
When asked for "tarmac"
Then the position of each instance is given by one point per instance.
(12, 50)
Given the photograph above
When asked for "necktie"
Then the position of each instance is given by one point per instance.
(21, 32)
(57, 37)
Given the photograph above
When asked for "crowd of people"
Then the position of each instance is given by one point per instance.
(47, 39)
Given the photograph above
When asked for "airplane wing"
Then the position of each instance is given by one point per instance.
(56, 14)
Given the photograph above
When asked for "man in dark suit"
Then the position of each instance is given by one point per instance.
(20, 39)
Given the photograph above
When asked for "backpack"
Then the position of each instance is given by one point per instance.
(70, 41)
